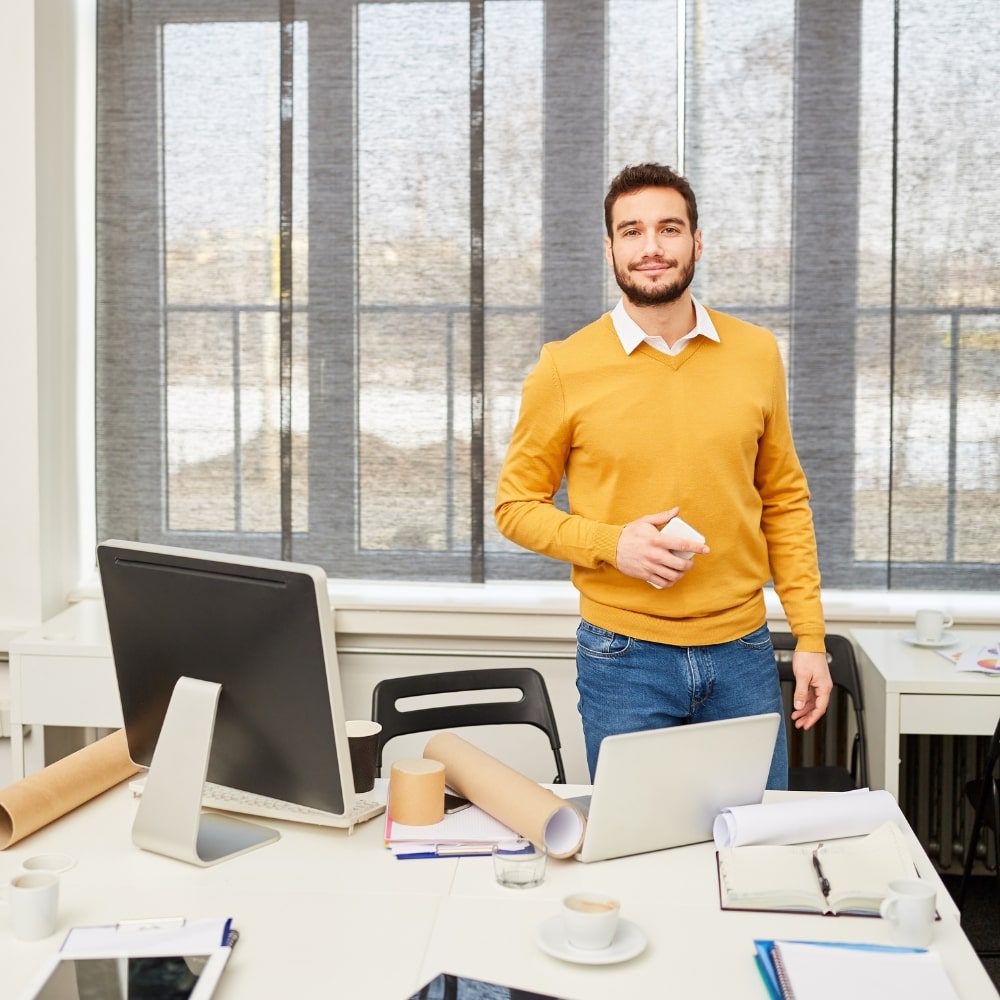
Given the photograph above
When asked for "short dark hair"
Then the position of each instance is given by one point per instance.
(646, 175)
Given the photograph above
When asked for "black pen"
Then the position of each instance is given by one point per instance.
(824, 885)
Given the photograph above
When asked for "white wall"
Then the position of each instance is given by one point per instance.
(20, 581)
(38, 208)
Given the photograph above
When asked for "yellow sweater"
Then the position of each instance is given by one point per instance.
(706, 431)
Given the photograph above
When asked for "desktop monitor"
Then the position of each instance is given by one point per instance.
(259, 629)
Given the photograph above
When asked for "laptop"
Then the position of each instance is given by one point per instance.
(664, 787)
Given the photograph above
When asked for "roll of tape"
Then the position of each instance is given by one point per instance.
(416, 792)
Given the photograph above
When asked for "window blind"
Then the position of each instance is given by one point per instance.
(332, 237)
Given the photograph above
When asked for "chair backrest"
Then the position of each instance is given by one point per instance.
(533, 708)
(846, 677)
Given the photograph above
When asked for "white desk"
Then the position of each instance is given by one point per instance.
(62, 674)
(323, 914)
(911, 690)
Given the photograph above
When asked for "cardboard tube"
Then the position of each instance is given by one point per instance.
(35, 801)
(534, 812)
(416, 792)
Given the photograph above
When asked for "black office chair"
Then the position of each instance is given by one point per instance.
(846, 680)
(984, 794)
(532, 709)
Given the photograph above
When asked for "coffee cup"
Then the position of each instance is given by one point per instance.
(32, 899)
(590, 919)
(362, 738)
(930, 624)
(909, 907)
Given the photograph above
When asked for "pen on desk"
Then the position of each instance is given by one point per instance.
(824, 884)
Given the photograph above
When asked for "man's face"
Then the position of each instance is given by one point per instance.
(652, 249)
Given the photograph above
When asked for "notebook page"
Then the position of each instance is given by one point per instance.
(769, 877)
(815, 972)
(860, 871)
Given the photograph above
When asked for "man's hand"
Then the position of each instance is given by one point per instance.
(645, 554)
(812, 688)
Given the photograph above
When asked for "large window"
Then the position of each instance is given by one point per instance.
(333, 235)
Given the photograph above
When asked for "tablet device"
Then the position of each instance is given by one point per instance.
(169, 960)
(447, 985)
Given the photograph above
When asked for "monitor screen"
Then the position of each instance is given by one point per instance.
(261, 629)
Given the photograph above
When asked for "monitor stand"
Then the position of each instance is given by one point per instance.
(170, 820)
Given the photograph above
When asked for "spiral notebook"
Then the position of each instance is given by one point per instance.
(826, 970)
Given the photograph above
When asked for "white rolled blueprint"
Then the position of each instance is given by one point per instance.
(798, 821)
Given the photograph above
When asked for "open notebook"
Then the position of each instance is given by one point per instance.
(857, 873)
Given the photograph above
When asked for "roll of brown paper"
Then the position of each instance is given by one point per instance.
(416, 792)
(35, 801)
(534, 812)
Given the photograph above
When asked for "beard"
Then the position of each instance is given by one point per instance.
(655, 295)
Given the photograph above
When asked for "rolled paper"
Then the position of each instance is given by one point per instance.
(799, 821)
(35, 801)
(416, 792)
(513, 798)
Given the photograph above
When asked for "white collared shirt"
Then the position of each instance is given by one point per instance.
(632, 335)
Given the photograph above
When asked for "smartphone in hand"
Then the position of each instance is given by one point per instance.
(679, 528)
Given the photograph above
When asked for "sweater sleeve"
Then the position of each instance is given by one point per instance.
(786, 521)
(532, 473)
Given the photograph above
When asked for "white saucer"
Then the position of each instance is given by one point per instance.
(947, 639)
(54, 863)
(629, 941)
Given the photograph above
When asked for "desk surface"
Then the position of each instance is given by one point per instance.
(321, 912)
(917, 670)
(79, 630)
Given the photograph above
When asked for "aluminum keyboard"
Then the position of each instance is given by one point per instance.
(248, 803)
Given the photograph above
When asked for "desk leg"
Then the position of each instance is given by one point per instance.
(17, 751)
(890, 777)
(16, 725)
(883, 745)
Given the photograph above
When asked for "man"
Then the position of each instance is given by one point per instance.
(663, 407)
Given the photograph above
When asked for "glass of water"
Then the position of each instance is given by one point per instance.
(519, 866)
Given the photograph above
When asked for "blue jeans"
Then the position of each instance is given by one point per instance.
(627, 685)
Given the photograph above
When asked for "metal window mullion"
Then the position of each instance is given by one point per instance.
(893, 232)
(285, 156)
(450, 430)
(237, 422)
(477, 332)
(681, 81)
(954, 358)
(161, 274)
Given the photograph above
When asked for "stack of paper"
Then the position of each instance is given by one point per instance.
(470, 831)
(981, 657)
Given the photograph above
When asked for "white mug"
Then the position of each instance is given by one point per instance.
(33, 900)
(931, 624)
(591, 920)
(909, 907)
